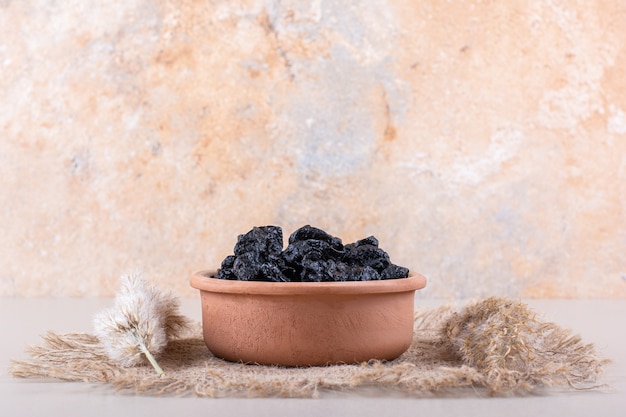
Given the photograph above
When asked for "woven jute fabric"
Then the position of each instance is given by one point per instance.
(495, 345)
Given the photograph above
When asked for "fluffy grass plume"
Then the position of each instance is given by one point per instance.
(139, 324)
(515, 351)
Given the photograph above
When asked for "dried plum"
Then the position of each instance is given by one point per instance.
(228, 262)
(364, 273)
(226, 274)
(271, 272)
(368, 255)
(370, 240)
(339, 271)
(313, 233)
(246, 267)
(226, 271)
(296, 250)
(266, 242)
(312, 255)
(394, 272)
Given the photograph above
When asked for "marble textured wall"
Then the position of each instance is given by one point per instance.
(482, 142)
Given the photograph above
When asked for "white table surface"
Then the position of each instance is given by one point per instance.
(24, 320)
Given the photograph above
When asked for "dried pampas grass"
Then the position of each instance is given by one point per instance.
(140, 323)
(515, 351)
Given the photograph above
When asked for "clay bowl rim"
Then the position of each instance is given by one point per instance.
(204, 281)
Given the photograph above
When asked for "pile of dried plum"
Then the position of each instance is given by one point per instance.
(311, 256)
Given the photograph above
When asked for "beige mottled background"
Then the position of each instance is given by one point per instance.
(482, 142)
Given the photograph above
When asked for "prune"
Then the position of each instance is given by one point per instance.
(228, 262)
(339, 271)
(394, 272)
(296, 250)
(368, 255)
(266, 242)
(312, 255)
(370, 240)
(226, 274)
(364, 273)
(313, 233)
(314, 268)
(226, 271)
(246, 267)
(314, 272)
(272, 272)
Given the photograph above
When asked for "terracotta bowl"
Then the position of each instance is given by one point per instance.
(306, 323)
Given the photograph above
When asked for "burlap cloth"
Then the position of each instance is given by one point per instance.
(496, 345)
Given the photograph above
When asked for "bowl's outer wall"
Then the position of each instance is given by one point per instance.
(302, 330)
